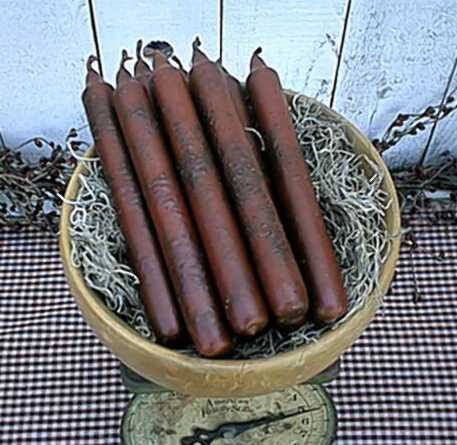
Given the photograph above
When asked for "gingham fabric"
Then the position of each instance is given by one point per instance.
(59, 385)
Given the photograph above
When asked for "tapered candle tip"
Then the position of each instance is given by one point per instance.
(125, 56)
(158, 45)
(123, 75)
(141, 67)
(159, 59)
(92, 75)
(196, 43)
(90, 60)
(256, 61)
(198, 56)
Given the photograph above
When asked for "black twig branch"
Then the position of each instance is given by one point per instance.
(29, 192)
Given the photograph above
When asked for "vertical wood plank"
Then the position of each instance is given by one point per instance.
(397, 58)
(44, 46)
(300, 40)
(122, 23)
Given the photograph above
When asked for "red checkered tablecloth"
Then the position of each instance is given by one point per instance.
(398, 384)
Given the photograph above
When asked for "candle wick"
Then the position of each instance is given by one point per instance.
(141, 67)
(123, 75)
(196, 43)
(258, 50)
(179, 63)
(90, 60)
(139, 46)
(125, 57)
(256, 61)
(198, 56)
(92, 75)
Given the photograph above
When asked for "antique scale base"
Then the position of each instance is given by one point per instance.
(300, 415)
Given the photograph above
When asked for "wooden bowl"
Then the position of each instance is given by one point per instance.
(228, 378)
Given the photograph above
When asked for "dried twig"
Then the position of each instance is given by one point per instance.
(419, 186)
(29, 192)
(411, 124)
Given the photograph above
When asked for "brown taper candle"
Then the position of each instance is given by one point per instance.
(277, 269)
(228, 259)
(296, 194)
(143, 73)
(176, 232)
(143, 250)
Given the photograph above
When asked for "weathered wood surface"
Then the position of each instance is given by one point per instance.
(300, 40)
(43, 45)
(397, 58)
(123, 22)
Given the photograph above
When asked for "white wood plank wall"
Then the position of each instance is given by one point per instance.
(300, 40)
(396, 57)
(122, 22)
(43, 47)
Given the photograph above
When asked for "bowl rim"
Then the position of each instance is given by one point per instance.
(350, 329)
